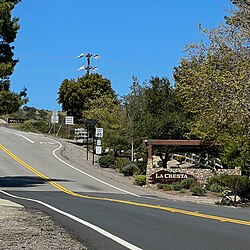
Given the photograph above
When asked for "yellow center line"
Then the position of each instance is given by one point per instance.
(159, 207)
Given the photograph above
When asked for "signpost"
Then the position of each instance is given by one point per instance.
(98, 134)
(54, 120)
(69, 120)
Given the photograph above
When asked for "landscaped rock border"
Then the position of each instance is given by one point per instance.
(200, 174)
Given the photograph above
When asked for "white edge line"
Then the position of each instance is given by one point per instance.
(85, 223)
(20, 135)
(103, 182)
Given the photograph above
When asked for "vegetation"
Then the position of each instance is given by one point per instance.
(75, 95)
(106, 161)
(130, 169)
(154, 111)
(213, 83)
(209, 100)
(198, 190)
(9, 101)
(140, 180)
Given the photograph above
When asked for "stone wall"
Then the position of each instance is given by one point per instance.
(201, 175)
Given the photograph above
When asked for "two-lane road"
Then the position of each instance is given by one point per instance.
(106, 214)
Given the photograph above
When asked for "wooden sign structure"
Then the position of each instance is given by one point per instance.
(183, 143)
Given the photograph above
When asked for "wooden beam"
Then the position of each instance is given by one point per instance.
(178, 143)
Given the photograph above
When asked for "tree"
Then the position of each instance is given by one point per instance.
(213, 82)
(155, 110)
(155, 113)
(8, 30)
(10, 101)
(112, 117)
(75, 95)
(240, 17)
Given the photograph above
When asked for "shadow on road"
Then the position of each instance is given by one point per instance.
(25, 181)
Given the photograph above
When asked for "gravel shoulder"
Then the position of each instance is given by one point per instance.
(23, 228)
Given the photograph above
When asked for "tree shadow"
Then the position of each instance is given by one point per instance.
(25, 181)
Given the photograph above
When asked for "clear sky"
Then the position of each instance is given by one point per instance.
(140, 38)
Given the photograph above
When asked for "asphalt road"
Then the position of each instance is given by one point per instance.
(105, 214)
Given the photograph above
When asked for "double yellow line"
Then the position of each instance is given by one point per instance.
(169, 209)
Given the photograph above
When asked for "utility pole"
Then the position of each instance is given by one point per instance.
(88, 67)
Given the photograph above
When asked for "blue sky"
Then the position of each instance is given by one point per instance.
(140, 38)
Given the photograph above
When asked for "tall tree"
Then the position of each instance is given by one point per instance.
(10, 101)
(155, 113)
(75, 95)
(8, 30)
(213, 82)
(155, 110)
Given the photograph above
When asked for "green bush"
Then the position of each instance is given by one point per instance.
(165, 187)
(142, 165)
(177, 186)
(197, 190)
(120, 163)
(182, 191)
(33, 126)
(130, 169)
(188, 183)
(239, 185)
(140, 180)
(106, 161)
(216, 188)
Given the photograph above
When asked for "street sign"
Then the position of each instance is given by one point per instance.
(54, 119)
(81, 133)
(98, 143)
(69, 120)
(98, 150)
(99, 132)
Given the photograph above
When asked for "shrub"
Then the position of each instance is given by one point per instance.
(130, 169)
(219, 180)
(33, 126)
(182, 191)
(165, 187)
(140, 180)
(177, 186)
(197, 190)
(142, 165)
(188, 183)
(216, 188)
(120, 163)
(106, 161)
(239, 185)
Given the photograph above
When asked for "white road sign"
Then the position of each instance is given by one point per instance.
(98, 150)
(54, 119)
(98, 143)
(69, 120)
(99, 132)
